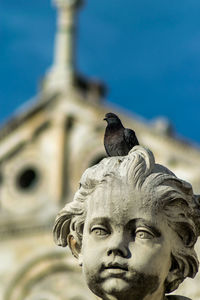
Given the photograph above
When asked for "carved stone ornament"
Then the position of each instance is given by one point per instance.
(68, 3)
(132, 225)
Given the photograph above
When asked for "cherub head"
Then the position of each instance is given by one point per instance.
(132, 225)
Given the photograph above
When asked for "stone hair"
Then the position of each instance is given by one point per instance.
(174, 197)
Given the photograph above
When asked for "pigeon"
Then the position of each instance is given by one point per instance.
(118, 141)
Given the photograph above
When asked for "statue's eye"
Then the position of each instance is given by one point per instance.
(144, 234)
(99, 231)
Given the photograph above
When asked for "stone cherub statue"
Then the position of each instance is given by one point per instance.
(132, 225)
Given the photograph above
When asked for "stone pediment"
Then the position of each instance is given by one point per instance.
(25, 112)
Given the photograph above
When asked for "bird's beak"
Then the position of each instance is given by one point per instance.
(105, 119)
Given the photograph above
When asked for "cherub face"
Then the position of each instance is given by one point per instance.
(126, 249)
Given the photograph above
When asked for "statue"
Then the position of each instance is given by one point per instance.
(132, 225)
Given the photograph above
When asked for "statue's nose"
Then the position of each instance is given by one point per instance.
(118, 246)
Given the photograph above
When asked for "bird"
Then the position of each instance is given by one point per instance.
(118, 141)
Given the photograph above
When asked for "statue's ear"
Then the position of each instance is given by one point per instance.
(174, 278)
(74, 246)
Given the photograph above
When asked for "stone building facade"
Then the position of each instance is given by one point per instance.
(44, 149)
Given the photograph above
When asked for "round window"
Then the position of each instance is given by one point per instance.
(27, 179)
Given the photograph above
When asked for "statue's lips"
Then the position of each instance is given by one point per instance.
(115, 269)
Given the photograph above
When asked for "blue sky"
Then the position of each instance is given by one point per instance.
(146, 51)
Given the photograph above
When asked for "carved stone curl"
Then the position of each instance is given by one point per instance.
(132, 225)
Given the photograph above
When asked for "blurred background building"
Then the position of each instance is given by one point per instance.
(44, 148)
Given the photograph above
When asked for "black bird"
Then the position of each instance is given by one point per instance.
(118, 141)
